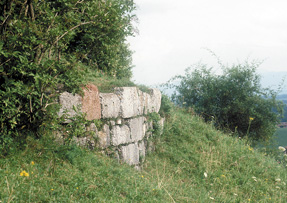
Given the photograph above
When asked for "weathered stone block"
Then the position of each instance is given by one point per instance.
(68, 101)
(110, 104)
(137, 128)
(130, 154)
(143, 101)
(104, 137)
(153, 101)
(120, 135)
(91, 102)
(130, 103)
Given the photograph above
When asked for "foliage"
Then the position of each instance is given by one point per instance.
(193, 162)
(233, 100)
(45, 48)
(156, 126)
(166, 106)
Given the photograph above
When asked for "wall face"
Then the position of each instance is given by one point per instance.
(126, 130)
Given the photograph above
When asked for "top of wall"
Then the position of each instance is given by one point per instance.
(125, 102)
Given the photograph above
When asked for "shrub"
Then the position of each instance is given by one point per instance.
(47, 46)
(233, 100)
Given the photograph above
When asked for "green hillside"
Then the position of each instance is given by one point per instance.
(193, 162)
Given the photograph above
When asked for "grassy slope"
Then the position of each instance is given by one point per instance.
(193, 163)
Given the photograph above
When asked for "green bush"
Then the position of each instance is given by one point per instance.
(50, 46)
(166, 106)
(233, 100)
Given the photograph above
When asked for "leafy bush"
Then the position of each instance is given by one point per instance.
(47, 46)
(233, 100)
(166, 106)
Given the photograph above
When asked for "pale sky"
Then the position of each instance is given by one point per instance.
(174, 34)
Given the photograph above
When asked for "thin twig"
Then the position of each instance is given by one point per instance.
(50, 104)
(5, 20)
(58, 38)
(52, 22)
(169, 195)
(32, 11)
(41, 100)
(79, 2)
(6, 61)
(26, 10)
(31, 108)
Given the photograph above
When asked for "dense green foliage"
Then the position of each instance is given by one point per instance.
(233, 100)
(193, 162)
(47, 46)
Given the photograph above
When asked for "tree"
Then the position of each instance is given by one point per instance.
(233, 100)
(48, 44)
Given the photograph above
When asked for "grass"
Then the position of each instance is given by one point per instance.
(106, 83)
(193, 162)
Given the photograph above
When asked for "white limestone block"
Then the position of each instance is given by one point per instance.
(130, 103)
(110, 104)
(130, 154)
(68, 102)
(120, 135)
(138, 128)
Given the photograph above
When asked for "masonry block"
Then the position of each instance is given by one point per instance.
(154, 100)
(110, 104)
(104, 137)
(130, 103)
(120, 135)
(68, 101)
(91, 102)
(138, 128)
(130, 154)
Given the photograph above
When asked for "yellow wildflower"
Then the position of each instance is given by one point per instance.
(24, 173)
(251, 118)
(32, 162)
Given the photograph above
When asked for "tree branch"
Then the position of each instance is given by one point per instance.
(84, 23)
(60, 37)
(32, 11)
(6, 61)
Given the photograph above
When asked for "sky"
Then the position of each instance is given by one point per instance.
(176, 34)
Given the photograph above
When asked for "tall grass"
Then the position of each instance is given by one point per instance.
(196, 163)
(192, 163)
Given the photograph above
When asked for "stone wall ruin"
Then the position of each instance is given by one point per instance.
(126, 129)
